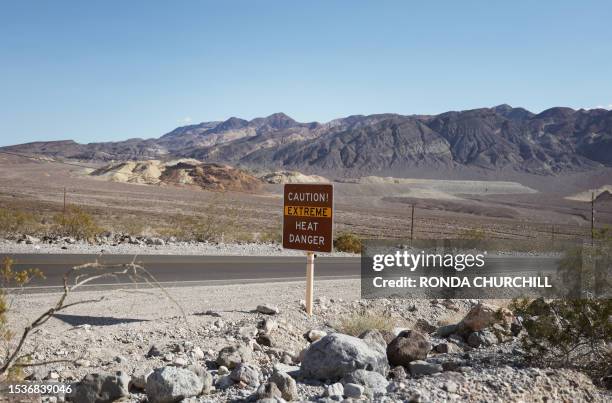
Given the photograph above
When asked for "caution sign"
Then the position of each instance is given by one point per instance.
(308, 217)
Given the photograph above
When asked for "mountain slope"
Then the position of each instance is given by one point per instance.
(554, 141)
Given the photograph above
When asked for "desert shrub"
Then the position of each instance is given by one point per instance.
(76, 223)
(243, 237)
(271, 235)
(17, 221)
(358, 323)
(473, 234)
(132, 226)
(216, 222)
(348, 243)
(572, 333)
(10, 278)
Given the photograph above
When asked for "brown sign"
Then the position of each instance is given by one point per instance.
(308, 212)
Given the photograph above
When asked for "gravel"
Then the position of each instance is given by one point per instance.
(128, 323)
(176, 248)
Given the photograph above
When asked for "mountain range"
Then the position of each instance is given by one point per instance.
(554, 141)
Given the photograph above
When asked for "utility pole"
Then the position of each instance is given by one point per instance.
(412, 225)
(592, 218)
(64, 213)
(552, 233)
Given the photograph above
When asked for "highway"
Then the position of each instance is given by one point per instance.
(188, 270)
(172, 271)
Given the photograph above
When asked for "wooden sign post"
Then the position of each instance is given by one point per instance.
(308, 225)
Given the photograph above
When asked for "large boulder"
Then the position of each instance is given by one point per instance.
(408, 346)
(336, 355)
(172, 384)
(101, 388)
(484, 315)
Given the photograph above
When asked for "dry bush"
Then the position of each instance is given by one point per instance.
(216, 222)
(76, 223)
(18, 221)
(271, 235)
(10, 278)
(474, 234)
(356, 324)
(348, 243)
(12, 358)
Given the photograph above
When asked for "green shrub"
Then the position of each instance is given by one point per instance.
(348, 243)
(76, 223)
(572, 333)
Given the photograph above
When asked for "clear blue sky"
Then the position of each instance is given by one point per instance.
(111, 70)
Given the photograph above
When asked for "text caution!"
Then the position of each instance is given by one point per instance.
(308, 217)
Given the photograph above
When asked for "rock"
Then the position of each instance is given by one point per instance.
(335, 389)
(222, 370)
(483, 338)
(265, 340)
(224, 382)
(82, 363)
(101, 388)
(180, 362)
(197, 353)
(268, 391)
(248, 374)
(154, 351)
(267, 309)
(450, 386)
(446, 348)
(425, 326)
(421, 367)
(268, 326)
(286, 384)
(337, 355)
(388, 336)
(314, 335)
(484, 315)
(372, 381)
(447, 330)
(247, 332)
(286, 359)
(398, 373)
(375, 339)
(172, 384)
(353, 391)
(408, 346)
(139, 379)
(516, 326)
(231, 356)
(205, 376)
(272, 400)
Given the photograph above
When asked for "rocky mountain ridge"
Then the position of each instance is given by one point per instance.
(554, 141)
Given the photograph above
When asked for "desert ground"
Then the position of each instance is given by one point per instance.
(190, 326)
(534, 208)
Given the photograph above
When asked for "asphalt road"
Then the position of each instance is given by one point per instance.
(221, 270)
(189, 270)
